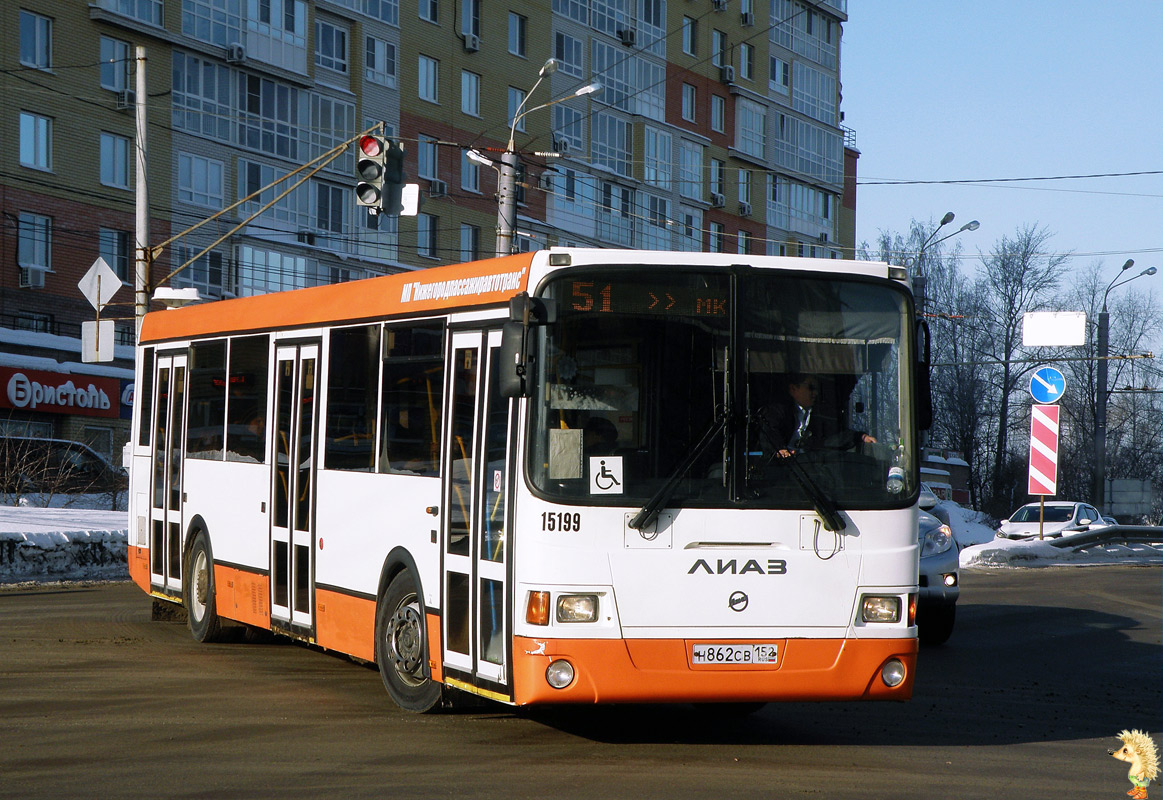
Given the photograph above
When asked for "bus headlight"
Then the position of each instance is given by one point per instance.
(893, 674)
(559, 674)
(880, 608)
(577, 608)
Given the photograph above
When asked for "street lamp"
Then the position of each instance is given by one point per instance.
(507, 172)
(919, 279)
(1100, 400)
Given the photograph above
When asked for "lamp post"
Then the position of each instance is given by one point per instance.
(507, 172)
(1100, 400)
(919, 279)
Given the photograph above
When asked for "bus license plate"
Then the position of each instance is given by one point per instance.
(764, 654)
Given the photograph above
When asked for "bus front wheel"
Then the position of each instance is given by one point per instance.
(198, 590)
(400, 650)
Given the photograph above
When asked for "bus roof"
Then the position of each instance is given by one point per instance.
(474, 284)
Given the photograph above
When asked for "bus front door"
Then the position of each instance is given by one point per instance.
(293, 486)
(476, 615)
(165, 516)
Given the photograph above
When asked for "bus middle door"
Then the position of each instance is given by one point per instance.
(476, 613)
(293, 485)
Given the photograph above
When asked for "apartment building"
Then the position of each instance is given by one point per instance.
(717, 128)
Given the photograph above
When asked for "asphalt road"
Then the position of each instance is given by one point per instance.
(1044, 668)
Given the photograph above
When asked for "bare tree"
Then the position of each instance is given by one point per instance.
(1019, 275)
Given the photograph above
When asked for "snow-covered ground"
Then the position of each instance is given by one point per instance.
(74, 543)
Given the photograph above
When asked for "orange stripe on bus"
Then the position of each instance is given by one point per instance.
(658, 670)
(345, 623)
(139, 566)
(477, 283)
(434, 662)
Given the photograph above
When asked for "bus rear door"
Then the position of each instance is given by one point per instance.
(165, 515)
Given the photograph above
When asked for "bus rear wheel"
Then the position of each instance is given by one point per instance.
(400, 647)
(198, 592)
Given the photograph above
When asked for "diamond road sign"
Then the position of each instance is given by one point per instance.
(99, 284)
(1047, 385)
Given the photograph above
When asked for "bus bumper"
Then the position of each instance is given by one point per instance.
(660, 671)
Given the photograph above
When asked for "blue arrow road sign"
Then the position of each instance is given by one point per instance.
(1047, 385)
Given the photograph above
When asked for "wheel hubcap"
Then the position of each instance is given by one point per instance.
(404, 643)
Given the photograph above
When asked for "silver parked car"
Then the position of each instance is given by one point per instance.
(1060, 518)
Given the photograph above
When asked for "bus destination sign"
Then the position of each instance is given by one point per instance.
(642, 298)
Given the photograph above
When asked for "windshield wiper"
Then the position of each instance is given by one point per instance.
(820, 501)
(649, 512)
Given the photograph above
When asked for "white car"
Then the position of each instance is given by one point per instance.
(1061, 518)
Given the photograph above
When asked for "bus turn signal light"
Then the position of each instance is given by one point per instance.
(537, 611)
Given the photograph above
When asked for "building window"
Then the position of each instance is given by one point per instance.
(213, 21)
(691, 234)
(658, 161)
(34, 241)
(718, 113)
(743, 243)
(744, 186)
(114, 161)
(750, 127)
(384, 10)
(35, 141)
(517, 25)
(114, 64)
(145, 10)
(690, 170)
(331, 209)
(610, 143)
(716, 234)
(470, 173)
(35, 40)
(115, 246)
(567, 126)
(779, 77)
(470, 17)
(689, 98)
(381, 62)
(330, 46)
(719, 56)
(470, 242)
(470, 93)
(428, 77)
(203, 274)
(430, 10)
(516, 98)
(718, 176)
(568, 52)
(690, 36)
(746, 62)
(426, 236)
(426, 166)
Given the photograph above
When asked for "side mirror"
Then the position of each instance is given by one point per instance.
(924, 381)
(517, 363)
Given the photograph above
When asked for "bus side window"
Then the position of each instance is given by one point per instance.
(412, 391)
(352, 373)
(247, 406)
(207, 400)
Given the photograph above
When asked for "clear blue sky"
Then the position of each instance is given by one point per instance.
(945, 90)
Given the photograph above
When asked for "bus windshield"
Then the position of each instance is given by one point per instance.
(715, 388)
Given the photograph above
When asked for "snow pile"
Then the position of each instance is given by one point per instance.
(62, 544)
(1036, 553)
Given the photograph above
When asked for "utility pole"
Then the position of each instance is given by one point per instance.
(141, 235)
(506, 201)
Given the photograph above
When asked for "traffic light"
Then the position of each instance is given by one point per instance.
(369, 168)
(393, 185)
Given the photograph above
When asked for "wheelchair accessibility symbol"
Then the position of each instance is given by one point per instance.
(605, 475)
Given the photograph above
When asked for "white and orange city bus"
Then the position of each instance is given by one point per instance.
(547, 478)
